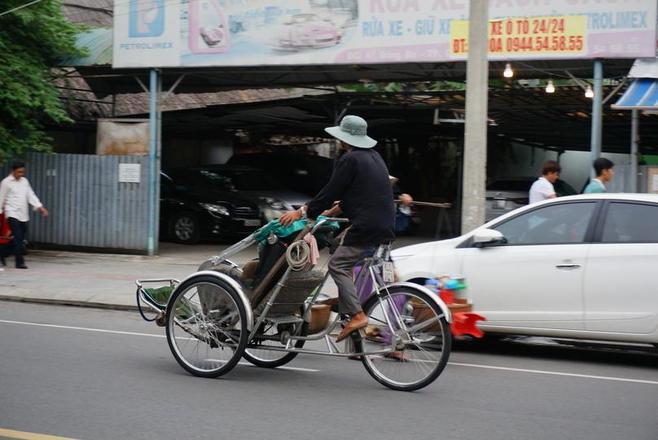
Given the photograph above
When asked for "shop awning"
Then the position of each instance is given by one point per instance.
(642, 94)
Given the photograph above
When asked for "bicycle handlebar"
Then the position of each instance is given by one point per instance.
(336, 219)
(328, 220)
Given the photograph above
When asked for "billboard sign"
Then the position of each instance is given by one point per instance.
(185, 33)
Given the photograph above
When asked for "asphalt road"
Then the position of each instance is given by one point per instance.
(98, 374)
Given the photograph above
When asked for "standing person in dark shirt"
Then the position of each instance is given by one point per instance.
(361, 182)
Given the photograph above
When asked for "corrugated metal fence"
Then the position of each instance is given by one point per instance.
(89, 207)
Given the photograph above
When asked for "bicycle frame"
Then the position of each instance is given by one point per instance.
(213, 318)
(369, 269)
(332, 349)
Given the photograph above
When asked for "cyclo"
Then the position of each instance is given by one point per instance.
(268, 311)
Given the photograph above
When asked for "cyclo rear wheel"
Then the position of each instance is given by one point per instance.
(206, 326)
(421, 334)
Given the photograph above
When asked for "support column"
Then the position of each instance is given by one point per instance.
(475, 135)
(635, 138)
(597, 114)
(155, 89)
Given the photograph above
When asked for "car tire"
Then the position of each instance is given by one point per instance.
(185, 228)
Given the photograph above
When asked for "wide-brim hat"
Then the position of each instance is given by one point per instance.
(353, 130)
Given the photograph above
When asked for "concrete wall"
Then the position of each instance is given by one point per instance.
(516, 160)
(576, 166)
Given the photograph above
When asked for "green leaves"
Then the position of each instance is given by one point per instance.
(33, 41)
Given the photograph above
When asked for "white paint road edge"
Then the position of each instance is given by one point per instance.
(118, 332)
(556, 373)
(456, 364)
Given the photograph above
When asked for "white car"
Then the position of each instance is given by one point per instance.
(572, 267)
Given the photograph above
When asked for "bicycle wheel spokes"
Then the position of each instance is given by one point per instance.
(411, 325)
(204, 328)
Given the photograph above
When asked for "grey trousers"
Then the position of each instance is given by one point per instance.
(341, 268)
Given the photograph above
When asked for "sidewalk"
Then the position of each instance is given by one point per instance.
(105, 280)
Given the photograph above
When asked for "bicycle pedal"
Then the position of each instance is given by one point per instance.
(359, 334)
(356, 343)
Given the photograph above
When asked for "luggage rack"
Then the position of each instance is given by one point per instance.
(145, 298)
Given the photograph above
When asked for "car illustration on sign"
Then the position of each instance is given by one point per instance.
(308, 31)
(213, 36)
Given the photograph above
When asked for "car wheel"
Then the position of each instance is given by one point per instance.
(185, 228)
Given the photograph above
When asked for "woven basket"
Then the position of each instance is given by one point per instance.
(294, 292)
(320, 314)
(422, 312)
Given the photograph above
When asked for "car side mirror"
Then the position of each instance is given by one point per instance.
(488, 238)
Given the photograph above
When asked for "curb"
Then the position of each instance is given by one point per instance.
(68, 303)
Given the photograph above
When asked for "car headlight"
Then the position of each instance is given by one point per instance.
(272, 203)
(215, 209)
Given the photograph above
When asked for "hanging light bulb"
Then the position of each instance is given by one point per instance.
(550, 88)
(508, 72)
(589, 93)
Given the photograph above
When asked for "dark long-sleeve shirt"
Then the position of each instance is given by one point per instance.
(360, 181)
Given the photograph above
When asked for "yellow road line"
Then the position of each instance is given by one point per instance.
(20, 435)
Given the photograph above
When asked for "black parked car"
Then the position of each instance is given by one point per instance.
(220, 201)
(300, 172)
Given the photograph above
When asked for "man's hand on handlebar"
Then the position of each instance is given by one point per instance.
(335, 211)
(290, 217)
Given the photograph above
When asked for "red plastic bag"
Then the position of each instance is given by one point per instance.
(5, 230)
(464, 323)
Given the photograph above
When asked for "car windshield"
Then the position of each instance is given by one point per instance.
(241, 180)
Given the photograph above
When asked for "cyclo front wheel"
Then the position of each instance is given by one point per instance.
(418, 330)
(206, 326)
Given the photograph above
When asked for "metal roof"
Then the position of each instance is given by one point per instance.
(105, 80)
(641, 95)
(527, 115)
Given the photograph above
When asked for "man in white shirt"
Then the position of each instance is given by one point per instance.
(543, 189)
(16, 195)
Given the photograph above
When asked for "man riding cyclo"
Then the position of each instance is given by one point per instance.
(361, 182)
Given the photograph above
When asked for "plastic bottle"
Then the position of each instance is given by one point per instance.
(452, 284)
(433, 285)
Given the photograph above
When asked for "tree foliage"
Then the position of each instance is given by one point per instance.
(33, 40)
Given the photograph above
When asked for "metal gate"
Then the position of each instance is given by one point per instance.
(92, 205)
